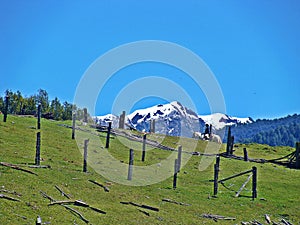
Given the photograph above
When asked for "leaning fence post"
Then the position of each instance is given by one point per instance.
(175, 174)
(231, 145)
(39, 116)
(108, 135)
(130, 167)
(73, 125)
(85, 119)
(216, 174)
(245, 155)
(6, 108)
(254, 182)
(38, 148)
(228, 142)
(144, 147)
(152, 126)
(122, 120)
(179, 157)
(85, 150)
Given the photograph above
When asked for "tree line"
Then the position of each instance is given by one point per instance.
(50, 109)
(274, 132)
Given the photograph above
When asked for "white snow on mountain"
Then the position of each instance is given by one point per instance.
(172, 119)
(103, 120)
(220, 120)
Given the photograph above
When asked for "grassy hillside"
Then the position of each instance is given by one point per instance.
(278, 187)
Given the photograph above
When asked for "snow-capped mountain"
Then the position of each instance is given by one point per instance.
(103, 120)
(173, 119)
(220, 120)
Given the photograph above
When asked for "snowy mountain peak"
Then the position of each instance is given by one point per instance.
(173, 119)
(220, 120)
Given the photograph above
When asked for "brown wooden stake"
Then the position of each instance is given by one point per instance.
(85, 119)
(130, 167)
(216, 175)
(108, 135)
(38, 149)
(85, 150)
(245, 154)
(228, 142)
(122, 120)
(144, 147)
(179, 157)
(175, 174)
(152, 126)
(254, 182)
(39, 116)
(73, 125)
(231, 145)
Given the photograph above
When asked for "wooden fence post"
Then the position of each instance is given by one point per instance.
(38, 148)
(216, 175)
(73, 125)
(130, 167)
(85, 150)
(39, 116)
(108, 135)
(122, 120)
(245, 154)
(231, 145)
(85, 119)
(175, 174)
(297, 154)
(228, 142)
(6, 108)
(254, 182)
(152, 126)
(179, 157)
(144, 147)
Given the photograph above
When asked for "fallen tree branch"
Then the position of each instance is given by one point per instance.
(62, 192)
(16, 167)
(286, 222)
(47, 196)
(141, 206)
(217, 217)
(77, 213)
(77, 203)
(9, 198)
(144, 212)
(106, 189)
(11, 192)
(175, 202)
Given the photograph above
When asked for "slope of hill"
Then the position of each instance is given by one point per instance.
(277, 195)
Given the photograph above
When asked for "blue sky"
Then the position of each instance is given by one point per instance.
(252, 48)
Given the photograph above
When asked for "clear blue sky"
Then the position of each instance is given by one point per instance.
(252, 47)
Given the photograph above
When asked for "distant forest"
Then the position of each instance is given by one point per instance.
(276, 132)
(51, 109)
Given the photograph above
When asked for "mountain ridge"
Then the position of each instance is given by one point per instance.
(173, 119)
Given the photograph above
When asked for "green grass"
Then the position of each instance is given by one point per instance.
(278, 187)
